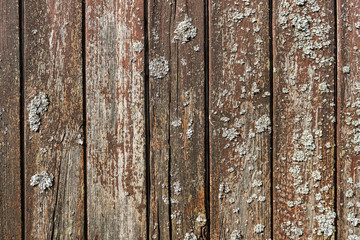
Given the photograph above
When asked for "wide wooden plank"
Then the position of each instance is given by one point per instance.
(10, 164)
(54, 181)
(304, 116)
(115, 109)
(177, 121)
(348, 104)
(240, 121)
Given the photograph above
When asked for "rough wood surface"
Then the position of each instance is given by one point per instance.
(348, 104)
(53, 66)
(10, 163)
(240, 124)
(177, 121)
(115, 109)
(304, 116)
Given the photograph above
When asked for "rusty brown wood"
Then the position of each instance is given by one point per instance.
(10, 163)
(304, 116)
(240, 121)
(53, 81)
(177, 120)
(115, 92)
(348, 105)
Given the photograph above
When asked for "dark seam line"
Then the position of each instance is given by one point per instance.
(22, 115)
(336, 118)
(84, 117)
(207, 110)
(271, 48)
(169, 130)
(147, 118)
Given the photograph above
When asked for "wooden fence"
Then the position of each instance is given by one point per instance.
(180, 119)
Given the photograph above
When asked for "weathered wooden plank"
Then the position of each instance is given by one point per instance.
(240, 124)
(53, 127)
(115, 93)
(10, 163)
(348, 104)
(304, 116)
(177, 121)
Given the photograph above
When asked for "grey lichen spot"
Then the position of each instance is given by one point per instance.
(299, 156)
(185, 31)
(301, 23)
(262, 124)
(353, 219)
(316, 175)
(176, 123)
(230, 134)
(158, 68)
(259, 228)
(190, 236)
(300, 2)
(177, 188)
(37, 107)
(138, 47)
(324, 87)
(235, 235)
(349, 193)
(307, 140)
(346, 69)
(43, 180)
(326, 223)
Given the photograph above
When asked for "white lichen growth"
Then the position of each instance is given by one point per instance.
(235, 235)
(324, 87)
(230, 134)
(185, 31)
(177, 188)
(158, 68)
(190, 236)
(138, 47)
(316, 175)
(346, 69)
(37, 107)
(262, 124)
(43, 180)
(259, 228)
(353, 219)
(326, 223)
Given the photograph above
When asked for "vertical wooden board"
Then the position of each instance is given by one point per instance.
(115, 109)
(240, 121)
(53, 119)
(10, 164)
(348, 117)
(177, 120)
(304, 116)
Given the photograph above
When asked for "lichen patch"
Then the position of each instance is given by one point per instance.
(37, 107)
(185, 31)
(43, 180)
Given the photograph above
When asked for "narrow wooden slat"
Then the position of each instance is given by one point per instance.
(177, 121)
(240, 121)
(10, 163)
(304, 116)
(53, 72)
(348, 104)
(115, 94)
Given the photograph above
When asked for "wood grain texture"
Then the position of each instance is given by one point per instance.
(348, 104)
(53, 65)
(115, 96)
(240, 124)
(177, 121)
(10, 164)
(304, 116)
